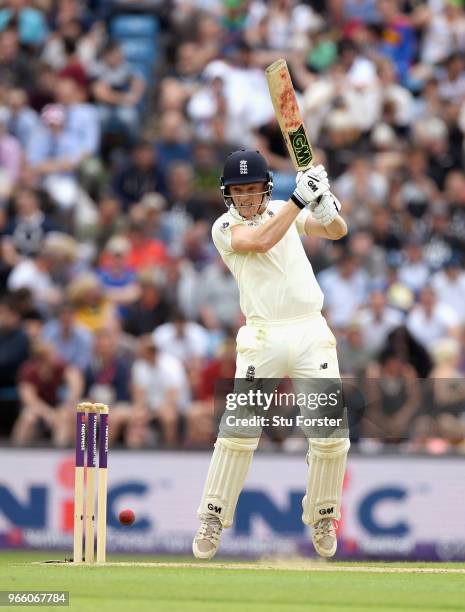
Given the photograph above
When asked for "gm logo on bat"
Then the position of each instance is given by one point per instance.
(301, 147)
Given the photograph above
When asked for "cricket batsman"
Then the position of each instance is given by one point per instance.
(285, 334)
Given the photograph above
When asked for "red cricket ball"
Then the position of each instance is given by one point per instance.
(127, 517)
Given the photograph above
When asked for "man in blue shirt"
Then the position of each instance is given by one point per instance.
(82, 119)
(73, 342)
(54, 152)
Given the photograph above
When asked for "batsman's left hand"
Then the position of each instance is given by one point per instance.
(326, 209)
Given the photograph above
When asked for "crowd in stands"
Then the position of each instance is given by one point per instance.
(115, 119)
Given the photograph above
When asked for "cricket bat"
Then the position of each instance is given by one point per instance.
(288, 114)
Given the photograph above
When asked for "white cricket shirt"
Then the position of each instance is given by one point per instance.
(276, 285)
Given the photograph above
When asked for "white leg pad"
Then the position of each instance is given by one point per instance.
(226, 475)
(326, 467)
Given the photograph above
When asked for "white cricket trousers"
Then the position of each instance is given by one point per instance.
(298, 348)
(303, 349)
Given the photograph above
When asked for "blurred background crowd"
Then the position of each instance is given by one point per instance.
(115, 119)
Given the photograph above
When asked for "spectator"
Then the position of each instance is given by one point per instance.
(150, 310)
(218, 297)
(418, 192)
(54, 261)
(209, 34)
(371, 257)
(181, 196)
(384, 233)
(454, 193)
(14, 351)
(107, 379)
(398, 100)
(414, 272)
(159, 392)
(40, 380)
(23, 120)
(42, 90)
(70, 32)
(398, 37)
(393, 398)
(173, 144)
(431, 319)
(73, 67)
(196, 246)
(206, 172)
(110, 221)
(185, 208)
(14, 345)
(231, 87)
(444, 32)
(30, 225)
(10, 156)
(359, 87)
(401, 342)
(93, 310)
(181, 338)
(284, 22)
(153, 212)
(31, 23)
(138, 177)
(33, 324)
(432, 135)
(81, 117)
(146, 252)
(209, 103)
(221, 366)
(118, 89)
(440, 424)
(449, 283)
(72, 342)
(362, 189)
(376, 321)
(345, 287)
(448, 391)
(452, 83)
(118, 279)
(16, 68)
(54, 153)
(188, 63)
(354, 356)
(269, 141)
(441, 240)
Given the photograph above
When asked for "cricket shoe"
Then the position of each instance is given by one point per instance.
(324, 537)
(207, 538)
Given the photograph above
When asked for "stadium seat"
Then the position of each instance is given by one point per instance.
(140, 50)
(127, 26)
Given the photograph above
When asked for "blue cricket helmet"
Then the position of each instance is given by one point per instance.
(243, 167)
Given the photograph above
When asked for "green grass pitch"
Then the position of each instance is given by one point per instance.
(183, 585)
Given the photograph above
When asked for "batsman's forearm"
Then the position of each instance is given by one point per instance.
(336, 229)
(270, 233)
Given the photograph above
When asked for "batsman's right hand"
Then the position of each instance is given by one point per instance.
(311, 185)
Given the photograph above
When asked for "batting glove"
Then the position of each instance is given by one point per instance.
(326, 209)
(311, 185)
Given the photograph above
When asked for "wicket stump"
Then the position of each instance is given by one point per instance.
(84, 522)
